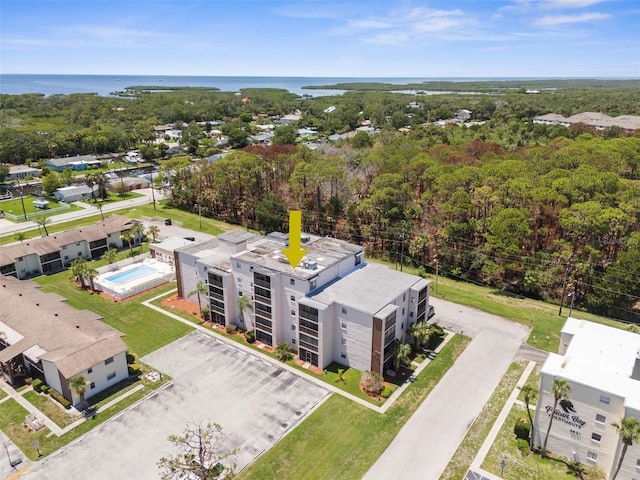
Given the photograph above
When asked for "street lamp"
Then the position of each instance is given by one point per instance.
(573, 297)
(199, 214)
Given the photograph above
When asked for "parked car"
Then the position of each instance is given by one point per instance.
(167, 221)
(430, 311)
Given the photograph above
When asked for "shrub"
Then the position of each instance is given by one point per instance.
(232, 328)
(45, 389)
(437, 330)
(37, 384)
(523, 446)
(28, 380)
(386, 392)
(250, 336)
(206, 314)
(134, 369)
(521, 429)
(131, 358)
(60, 399)
(372, 383)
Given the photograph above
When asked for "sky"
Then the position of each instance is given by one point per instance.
(323, 38)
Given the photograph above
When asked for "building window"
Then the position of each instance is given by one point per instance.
(344, 310)
(292, 281)
(600, 418)
(293, 313)
(343, 325)
(402, 326)
(90, 370)
(402, 310)
(592, 456)
(343, 355)
(293, 298)
(596, 437)
(344, 341)
(66, 257)
(312, 283)
(92, 385)
(238, 264)
(411, 314)
(293, 327)
(293, 340)
(605, 399)
(404, 296)
(111, 376)
(240, 294)
(79, 254)
(108, 361)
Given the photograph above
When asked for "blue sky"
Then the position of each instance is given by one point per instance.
(335, 38)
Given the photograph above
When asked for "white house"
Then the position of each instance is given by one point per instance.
(73, 193)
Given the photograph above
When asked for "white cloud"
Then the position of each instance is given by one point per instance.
(551, 20)
(564, 4)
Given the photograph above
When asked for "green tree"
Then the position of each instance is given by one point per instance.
(21, 236)
(403, 353)
(110, 255)
(561, 389)
(530, 395)
(66, 177)
(629, 431)
(4, 172)
(50, 183)
(362, 140)
(128, 237)
(285, 135)
(79, 385)
(199, 454)
(78, 267)
(244, 303)
(201, 289)
(153, 230)
(43, 222)
(283, 351)
(421, 332)
(137, 230)
(90, 274)
(271, 213)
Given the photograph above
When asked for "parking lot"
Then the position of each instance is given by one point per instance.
(254, 401)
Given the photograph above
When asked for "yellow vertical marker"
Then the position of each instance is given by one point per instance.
(294, 253)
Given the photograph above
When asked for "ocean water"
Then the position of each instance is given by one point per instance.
(17, 84)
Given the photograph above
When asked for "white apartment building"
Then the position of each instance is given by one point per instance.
(332, 307)
(602, 365)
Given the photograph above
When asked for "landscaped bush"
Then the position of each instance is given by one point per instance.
(134, 369)
(386, 392)
(284, 351)
(437, 330)
(371, 383)
(28, 380)
(521, 429)
(206, 314)
(60, 399)
(37, 384)
(250, 336)
(232, 328)
(523, 446)
(131, 358)
(45, 389)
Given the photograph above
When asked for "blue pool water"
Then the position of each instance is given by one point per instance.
(124, 277)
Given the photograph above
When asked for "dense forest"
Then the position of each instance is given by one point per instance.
(531, 209)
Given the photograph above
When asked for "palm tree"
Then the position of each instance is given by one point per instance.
(561, 390)
(201, 288)
(110, 255)
(90, 273)
(137, 230)
(79, 386)
(403, 352)
(421, 332)
(244, 303)
(21, 236)
(42, 222)
(128, 237)
(530, 395)
(283, 351)
(90, 182)
(100, 208)
(78, 268)
(153, 230)
(629, 431)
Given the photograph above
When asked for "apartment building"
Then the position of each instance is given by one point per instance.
(333, 307)
(41, 336)
(52, 253)
(602, 365)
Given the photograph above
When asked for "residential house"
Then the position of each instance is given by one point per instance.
(462, 116)
(73, 193)
(77, 163)
(45, 338)
(18, 172)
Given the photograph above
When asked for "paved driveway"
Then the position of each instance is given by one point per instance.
(255, 402)
(423, 447)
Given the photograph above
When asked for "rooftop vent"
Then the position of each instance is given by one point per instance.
(310, 264)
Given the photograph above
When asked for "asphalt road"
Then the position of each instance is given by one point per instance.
(423, 447)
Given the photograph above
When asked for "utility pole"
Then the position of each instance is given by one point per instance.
(402, 235)
(437, 264)
(573, 297)
(564, 284)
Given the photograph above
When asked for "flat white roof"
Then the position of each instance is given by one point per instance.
(601, 357)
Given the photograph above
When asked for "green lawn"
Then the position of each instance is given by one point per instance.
(145, 329)
(15, 207)
(341, 439)
(533, 466)
(475, 437)
(50, 408)
(2, 394)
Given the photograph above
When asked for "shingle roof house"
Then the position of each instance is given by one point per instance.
(44, 337)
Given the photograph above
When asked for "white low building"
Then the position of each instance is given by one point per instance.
(602, 366)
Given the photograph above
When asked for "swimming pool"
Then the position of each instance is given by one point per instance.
(131, 274)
